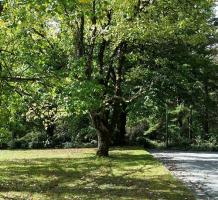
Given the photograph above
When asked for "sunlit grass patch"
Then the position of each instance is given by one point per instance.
(78, 174)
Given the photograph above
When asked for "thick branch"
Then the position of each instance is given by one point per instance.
(19, 91)
(6, 51)
(92, 42)
(1, 7)
(121, 61)
(43, 36)
(103, 45)
(20, 79)
(80, 37)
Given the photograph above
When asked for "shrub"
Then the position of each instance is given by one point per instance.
(5, 137)
(85, 135)
(31, 140)
(205, 145)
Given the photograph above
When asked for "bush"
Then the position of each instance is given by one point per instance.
(135, 135)
(91, 144)
(85, 135)
(205, 145)
(68, 145)
(5, 137)
(14, 144)
(31, 140)
(36, 145)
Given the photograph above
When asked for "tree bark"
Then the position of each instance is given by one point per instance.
(206, 124)
(1, 7)
(103, 144)
(50, 130)
(167, 131)
(206, 111)
(190, 123)
(80, 38)
(120, 114)
(90, 53)
(100, 122)
(121, 127)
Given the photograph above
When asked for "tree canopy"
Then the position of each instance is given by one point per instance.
(116, 63)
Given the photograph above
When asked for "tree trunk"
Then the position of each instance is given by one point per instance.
(1, 7)
(80, 38)
(120, 114)
(50, 130)
(103, 144)
(100, 122)
(167, 131)
(206, 111)
(206, 124)
(121, 126)
(190, 123)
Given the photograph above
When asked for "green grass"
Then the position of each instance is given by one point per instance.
(78, 174)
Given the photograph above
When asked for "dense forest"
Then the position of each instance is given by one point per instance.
(88, 73)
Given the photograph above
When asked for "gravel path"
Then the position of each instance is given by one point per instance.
(198, 170)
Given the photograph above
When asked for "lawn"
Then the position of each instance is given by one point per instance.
(78, 174)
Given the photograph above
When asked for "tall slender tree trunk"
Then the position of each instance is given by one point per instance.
(190, 122)
(206, 124)
(206, 111)
(167, 131)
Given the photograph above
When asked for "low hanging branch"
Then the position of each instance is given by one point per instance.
(6, 51)
(21, 79)
(1, 7)
(19, 90)
(42, 35)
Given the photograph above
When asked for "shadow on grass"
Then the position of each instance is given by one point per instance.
(87, 178)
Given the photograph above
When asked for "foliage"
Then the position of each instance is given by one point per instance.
(5, 137)
(121, 63)
(205, 145)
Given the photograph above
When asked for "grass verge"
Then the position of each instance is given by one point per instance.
(78, 174)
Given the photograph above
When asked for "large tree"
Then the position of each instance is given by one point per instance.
(108, 55)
